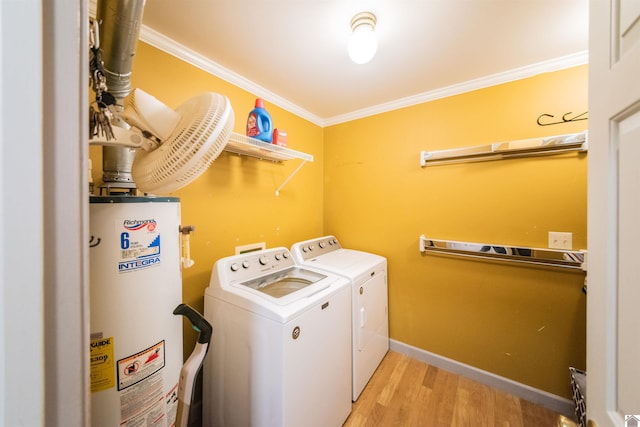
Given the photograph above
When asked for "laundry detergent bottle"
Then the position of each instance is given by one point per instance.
(259, 124)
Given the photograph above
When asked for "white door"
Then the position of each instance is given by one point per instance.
(613, 307)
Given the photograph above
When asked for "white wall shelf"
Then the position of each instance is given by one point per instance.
(246, 146)
(507, 150)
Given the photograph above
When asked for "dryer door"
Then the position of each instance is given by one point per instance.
(370, 328)
(371, 309)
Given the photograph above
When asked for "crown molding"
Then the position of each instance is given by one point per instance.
(556, 64)
(171, 47)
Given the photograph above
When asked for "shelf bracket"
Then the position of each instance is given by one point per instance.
(286, 181)
(244, 145)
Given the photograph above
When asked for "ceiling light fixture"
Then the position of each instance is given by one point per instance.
(363, 43)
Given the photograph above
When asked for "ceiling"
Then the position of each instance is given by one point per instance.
(294, 52)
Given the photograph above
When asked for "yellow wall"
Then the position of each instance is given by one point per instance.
(524, 323)
(233, 203)
(366, 187)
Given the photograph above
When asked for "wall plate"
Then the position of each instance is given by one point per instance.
(252, 247)
(560, 240)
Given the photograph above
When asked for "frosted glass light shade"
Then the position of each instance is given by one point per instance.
(363, 43)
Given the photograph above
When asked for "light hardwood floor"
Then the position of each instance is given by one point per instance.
(406, 392)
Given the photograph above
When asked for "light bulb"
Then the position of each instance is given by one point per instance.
(363, 43)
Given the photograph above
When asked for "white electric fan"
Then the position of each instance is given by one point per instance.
(175, 147)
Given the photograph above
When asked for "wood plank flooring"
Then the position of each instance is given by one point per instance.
(406, 392)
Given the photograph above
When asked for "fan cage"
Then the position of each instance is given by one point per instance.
(201, 135)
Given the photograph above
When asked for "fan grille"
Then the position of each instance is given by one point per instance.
(203, 131)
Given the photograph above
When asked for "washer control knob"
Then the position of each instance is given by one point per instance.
(311, 247)
(332, 242)
(361, 290)
(285, 255)
(245, 264)
(321, 244)
(304, 249)
(278, 257)
(234, 266)
(262, 260)
(295, 333)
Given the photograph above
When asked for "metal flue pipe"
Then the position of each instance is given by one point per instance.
(119, 23)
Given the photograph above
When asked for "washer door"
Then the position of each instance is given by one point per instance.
(317, 365)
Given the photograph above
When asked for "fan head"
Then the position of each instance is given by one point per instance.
(203, 130)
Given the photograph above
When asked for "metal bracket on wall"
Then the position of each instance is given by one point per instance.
(508, 150)
(246, 146)
(490, 251)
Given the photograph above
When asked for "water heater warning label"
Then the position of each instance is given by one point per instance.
(137, 367)
(139, 244)
(102, 364)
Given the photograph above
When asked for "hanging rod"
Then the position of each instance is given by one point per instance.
(546, 257)
(508, 150)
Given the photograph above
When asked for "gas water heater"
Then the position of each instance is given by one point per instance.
(136, 283)
(135, 256)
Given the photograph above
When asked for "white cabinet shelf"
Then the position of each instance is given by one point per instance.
(246, 146)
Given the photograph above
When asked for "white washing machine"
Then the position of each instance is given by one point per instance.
(280, 349)
(367, 274)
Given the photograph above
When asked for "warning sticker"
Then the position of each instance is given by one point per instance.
(143, 404)
(137, 367)
(102, 364)
(139, 244)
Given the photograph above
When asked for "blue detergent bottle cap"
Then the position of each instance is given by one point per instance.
(259, 124)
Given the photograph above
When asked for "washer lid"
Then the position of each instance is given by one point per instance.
(282, 283)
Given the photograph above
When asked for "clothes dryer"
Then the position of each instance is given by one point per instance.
(280, 349)
(367, 274)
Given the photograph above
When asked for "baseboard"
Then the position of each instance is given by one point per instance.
(540, 397)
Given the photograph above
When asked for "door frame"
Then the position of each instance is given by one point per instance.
(44, 328)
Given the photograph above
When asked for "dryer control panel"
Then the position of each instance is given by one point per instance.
(315, 247)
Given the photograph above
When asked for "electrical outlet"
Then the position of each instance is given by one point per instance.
(559, 240)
